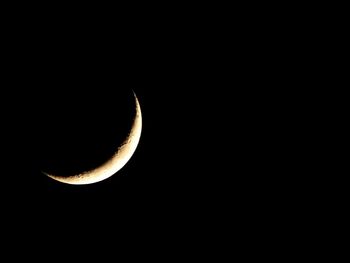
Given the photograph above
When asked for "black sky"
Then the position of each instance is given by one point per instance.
(171, 180)
(218, 161)
(158, 176)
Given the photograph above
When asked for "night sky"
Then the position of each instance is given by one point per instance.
(223, 131)
(170, 182)
(158, 177)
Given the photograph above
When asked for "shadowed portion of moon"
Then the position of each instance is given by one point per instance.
(83, 131)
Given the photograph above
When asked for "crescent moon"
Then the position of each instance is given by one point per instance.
(120, 158)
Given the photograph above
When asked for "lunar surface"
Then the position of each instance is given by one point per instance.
(119, 159)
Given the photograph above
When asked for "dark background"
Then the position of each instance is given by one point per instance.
(204, 141)
(221, 162)
(54, 85)
(194, 97)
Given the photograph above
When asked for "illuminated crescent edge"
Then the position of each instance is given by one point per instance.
(115, 163)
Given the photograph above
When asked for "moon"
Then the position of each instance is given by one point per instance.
(119, 159)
